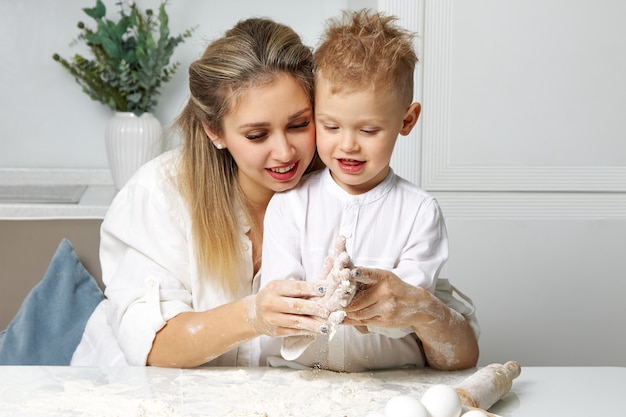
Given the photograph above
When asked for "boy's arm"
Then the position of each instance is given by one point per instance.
(403, 300)
(448, 340)
(426, 249)
(423, 255)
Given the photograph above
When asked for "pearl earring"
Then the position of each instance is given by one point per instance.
(218, 146)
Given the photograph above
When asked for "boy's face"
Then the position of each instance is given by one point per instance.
(356, 133)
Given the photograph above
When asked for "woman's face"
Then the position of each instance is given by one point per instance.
(271, 135)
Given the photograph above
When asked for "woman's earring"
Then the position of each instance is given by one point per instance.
(218, 146)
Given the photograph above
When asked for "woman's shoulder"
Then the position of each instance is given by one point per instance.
(157, 176)
(163, 167)
(152, 187)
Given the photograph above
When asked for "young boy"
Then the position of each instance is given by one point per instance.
(363, 101)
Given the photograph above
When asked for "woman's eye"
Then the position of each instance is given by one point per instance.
(256, 136)
(300, 125)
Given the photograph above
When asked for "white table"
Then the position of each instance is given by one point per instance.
(264, 392)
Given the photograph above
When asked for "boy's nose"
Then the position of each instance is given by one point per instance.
(348, 142)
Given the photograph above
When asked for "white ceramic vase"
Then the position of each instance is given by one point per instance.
(131, 141)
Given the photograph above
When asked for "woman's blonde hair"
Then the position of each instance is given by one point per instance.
(254, 52)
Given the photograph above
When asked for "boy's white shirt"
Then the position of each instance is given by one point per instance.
(396, 226)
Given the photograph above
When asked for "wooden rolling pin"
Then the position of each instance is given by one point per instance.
(489, 384)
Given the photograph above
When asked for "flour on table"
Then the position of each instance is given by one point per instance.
(215, 392)
(86, 398)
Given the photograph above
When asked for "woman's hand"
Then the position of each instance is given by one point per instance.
(281, 309)
(288, 308)
(384, 300)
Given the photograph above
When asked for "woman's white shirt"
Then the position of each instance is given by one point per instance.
(150, 273)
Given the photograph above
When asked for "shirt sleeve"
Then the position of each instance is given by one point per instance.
(144, 254)
(424, 255)
(426, 250)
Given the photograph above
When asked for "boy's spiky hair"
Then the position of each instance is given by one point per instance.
(367, 49)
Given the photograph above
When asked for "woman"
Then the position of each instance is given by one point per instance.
(180, 245)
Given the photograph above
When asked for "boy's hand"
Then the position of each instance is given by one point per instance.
(384, 300)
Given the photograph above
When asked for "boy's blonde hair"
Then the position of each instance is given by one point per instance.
(366, 49)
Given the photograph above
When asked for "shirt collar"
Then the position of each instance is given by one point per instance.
(372, 195)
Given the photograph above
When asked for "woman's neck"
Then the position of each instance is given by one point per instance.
(257, 198)
(257, 211)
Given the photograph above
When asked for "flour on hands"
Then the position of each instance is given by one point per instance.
(336, 279)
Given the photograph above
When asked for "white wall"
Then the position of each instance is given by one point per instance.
(45, 118)
(522, 140)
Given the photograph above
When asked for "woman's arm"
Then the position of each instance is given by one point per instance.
(385, 300)
(281, 309)
(193, 338)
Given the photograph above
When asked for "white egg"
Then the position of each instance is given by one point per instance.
(475, 413)
(405, 406)
(442, 401)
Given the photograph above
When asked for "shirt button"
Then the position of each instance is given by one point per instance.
(152, 282)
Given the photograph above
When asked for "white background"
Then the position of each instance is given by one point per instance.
(522, 140)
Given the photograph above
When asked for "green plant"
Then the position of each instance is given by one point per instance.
(129, 62)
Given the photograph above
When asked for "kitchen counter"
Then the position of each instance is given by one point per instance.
(272, 392)
(32, 193)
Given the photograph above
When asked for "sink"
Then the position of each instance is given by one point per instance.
(41, 194)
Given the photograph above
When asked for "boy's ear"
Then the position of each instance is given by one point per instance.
(410, 118)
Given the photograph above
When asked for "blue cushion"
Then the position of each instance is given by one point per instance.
(52, 318)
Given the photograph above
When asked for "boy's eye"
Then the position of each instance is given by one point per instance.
(370, 131)
(331, 127)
